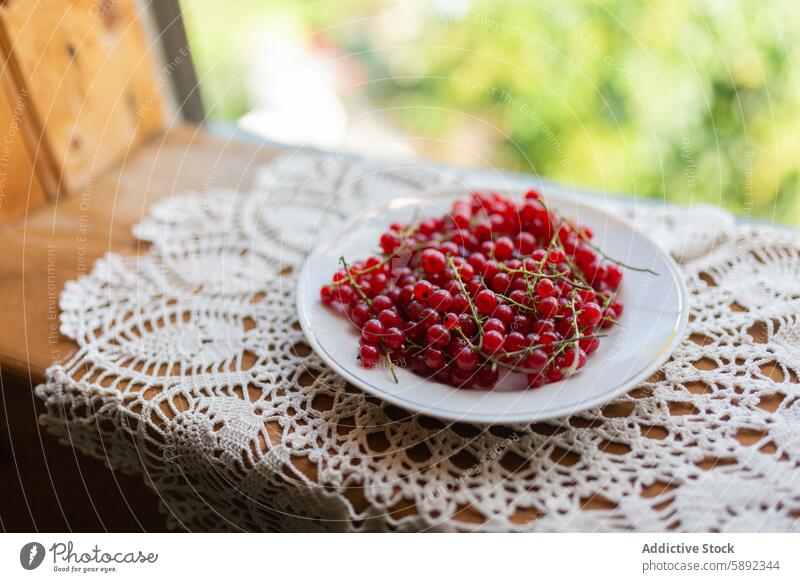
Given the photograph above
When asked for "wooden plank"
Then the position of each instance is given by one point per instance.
(86, 68)
(20, 187)
(61, 242)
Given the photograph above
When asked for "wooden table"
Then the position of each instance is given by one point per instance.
(60, 242)
(48, 486)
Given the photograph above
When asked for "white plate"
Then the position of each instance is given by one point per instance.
(652, 324)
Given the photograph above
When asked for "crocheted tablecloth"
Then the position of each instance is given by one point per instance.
(192, 368)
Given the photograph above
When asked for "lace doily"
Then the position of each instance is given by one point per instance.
(192, 368)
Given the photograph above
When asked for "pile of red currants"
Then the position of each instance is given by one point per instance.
(495, 286)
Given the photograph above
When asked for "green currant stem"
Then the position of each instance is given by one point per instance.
(606, 302)
(463, 288)
(520, 305)
(516, 367)
(555, 343)
(538, 276)
(353, 282)
(391, 366)
(588, 241)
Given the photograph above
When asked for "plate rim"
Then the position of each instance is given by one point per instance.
(504, 418)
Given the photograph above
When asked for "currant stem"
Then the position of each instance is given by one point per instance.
(520, 305)
(353, 281)
(390, 363)
(463, 288)
(613, 260)
(538, 276)
(561, 345)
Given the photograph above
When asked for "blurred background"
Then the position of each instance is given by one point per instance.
(685, 100)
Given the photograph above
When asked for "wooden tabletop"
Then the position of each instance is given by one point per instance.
(60, 242)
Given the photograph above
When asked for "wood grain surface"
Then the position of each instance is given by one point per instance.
(86, 67)
(49, 250)
(60, 242)
(20, 187)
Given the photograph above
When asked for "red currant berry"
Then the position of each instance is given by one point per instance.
(501, 282)
(393, 338)
(613, 276)
(466, 359)
(504, 313)
(378, 282)
(490, 270)
(519, 297)
(483, 231)
(366, 288)
(554, 374)
(543, 325)
(369, 355)
(461, 379)
(585, 296)
(372, 331)
(589, 344)
(536, 380)
(390, 318)
(555, 256)
(344, 293)
(389, 242)
(477, 261)
(419, 366)
(566, 327)
(536, 360)
(407, 294)
(492, 342)
(503, 248)
(467, 325)
(466, 272)
(547, 339)
(423, 290)
(450, 320)
(432, 261)
(494, 324)
(486, 376)
(449, 248)
(515, 342)
(359, 314)
(584, 255)
(590, 314)
(547, 306)
(460, 304)
(434, 358)
(485, 301)
(429, 317)
(545, 288)
(326, 295)
(440, 300)
(381, 302)
(521, 324)
(438, 335)
(525, 243)
(572, 360)
(519, 283)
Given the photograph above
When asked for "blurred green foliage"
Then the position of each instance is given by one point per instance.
(687, 100)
